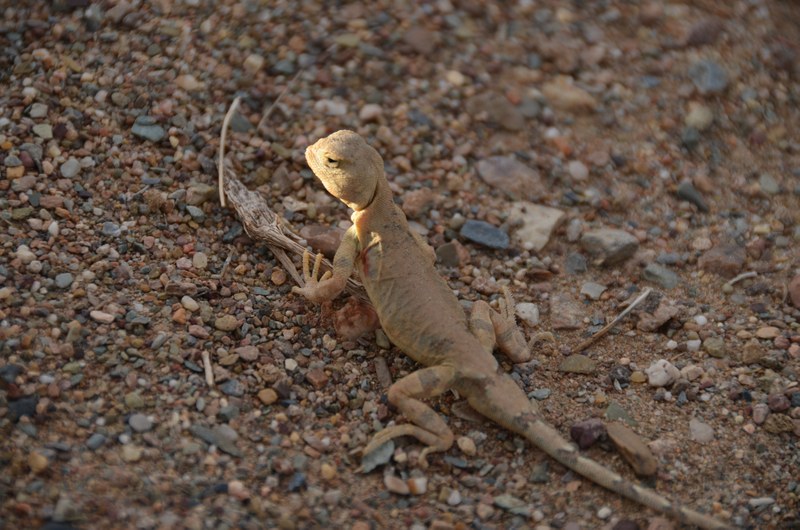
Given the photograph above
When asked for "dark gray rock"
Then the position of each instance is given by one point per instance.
(483, 233)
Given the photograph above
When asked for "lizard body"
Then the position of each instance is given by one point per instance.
(420, 314)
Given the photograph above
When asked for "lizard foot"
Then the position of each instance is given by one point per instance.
(315, 288)
(433, 442)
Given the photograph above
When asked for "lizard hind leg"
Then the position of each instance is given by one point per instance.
(499, 328)
(426, 425)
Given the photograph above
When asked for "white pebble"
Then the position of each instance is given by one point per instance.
(578, 170)
(693, 345)
(25, 254)
(290, 364)
(671, 344)
(528, 313)
(604, 512)
(662, 373)
(701, 320)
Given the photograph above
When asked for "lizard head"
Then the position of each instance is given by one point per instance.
(347, 166)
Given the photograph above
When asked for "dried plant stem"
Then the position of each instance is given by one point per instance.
(591, 340)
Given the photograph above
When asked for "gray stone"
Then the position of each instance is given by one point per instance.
(565, 312)
(609, 245)
(38, 110)
(575, 263)
(111, 229)
(708, 76)
(483, 233)
(687, 192)
(536, 223)
(197, 214)
(95, 441)
(578, 364)
(145, 127)
(43, 131)
(512, 177)
(64, 280)
(12, 161)
(232, 387)
(70, 168)
(217, 438)
(592, 290)
(768, 184)
(661, 276)
(140, 422)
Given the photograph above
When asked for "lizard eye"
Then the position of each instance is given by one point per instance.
(331, 162)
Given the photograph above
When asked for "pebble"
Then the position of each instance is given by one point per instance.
(778, 402)
(507, 174)
(370, 112)
(578, 364)
(140, 422)
(70, 168)
(724, 260)
(190, 304)
(687, 192)
(587, 432)
(700, 432)
(485, 234)
(708, 76)
(565, 312)
(102, 317)
(767, 332)
(218, 437)
(662, 373)
(699, 116)
(37, 462)
(131, 453)
(593, 290)
(715, 347)
(145, 127)
(661, 276)
(188, 82)
(253, 63)
(24, 254)
(760, 413)
(467, 445)
(197, 214)
(528, 312)
(267, 396)
(38, 110)
(417, 485)
(562, 94)
(536, 224)
(43, 131)
(768, 184)
(226, 323)
(608, 245)
(378, 457)
(95, 441)
(604, 513)
(232, 387)
(64, 280)
(395, 484)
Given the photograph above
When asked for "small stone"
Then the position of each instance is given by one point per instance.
(64, 280)
(662, 373)
(329, 107)
(528, 313)
(102, 317)
(145, 127)
(43, 131)
(452, 254)
(247, 353)
(140, 422)
(37, 462)
(593, 290)
(70, 168)
(562, 94)
(578, 364)
(699, 117)
(15, 173)
(111, 229)
(226, 323)
(421, 40)
(604, 513)
(370, 112)
(290, 364)
(24, 254)
(417, 485)
(327, 471)
(190, 304)
(724, 260)
(661, 276)
(238, 490)
(134, 400)
(760, 413)
(700, 432)
(778, 402)
(38, 110)
(95, 441)
(418, 202)
(200, 260)
(395, 484)
(535, 223)
(778, 423)
(715, 347)
(587, 432)
(232, 387)
(517, 180)
(467, 445)
(767, 332)
(608, 245)
(565, 312)
(188, 82)
(253, 63)
(267, 396)
(708, 77)
(483, 233)
(317, 377)
(131, 453)
(378, 457)
(197, 214)
(633, 449)
(578, 170)
(637, 376)
(794, 291)
(687, 192)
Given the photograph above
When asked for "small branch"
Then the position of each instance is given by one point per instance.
(221, 162)
(208, 368)
(591, 340)
(268, 110)
(742, 276)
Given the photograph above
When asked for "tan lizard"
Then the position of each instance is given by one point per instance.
(422, 317)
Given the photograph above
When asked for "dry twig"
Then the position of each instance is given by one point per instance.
(591, 340)
(209, 371)
(742, 276)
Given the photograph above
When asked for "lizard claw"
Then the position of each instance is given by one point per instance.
(313, 288)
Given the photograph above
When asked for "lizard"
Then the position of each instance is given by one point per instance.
(421, 315)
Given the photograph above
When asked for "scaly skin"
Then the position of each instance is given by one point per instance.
(422, 317)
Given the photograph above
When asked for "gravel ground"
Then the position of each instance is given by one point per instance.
(662, 138)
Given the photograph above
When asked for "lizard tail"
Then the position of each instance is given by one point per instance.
(505, 403)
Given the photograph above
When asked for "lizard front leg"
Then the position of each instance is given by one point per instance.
(330, 284)
(426, 425)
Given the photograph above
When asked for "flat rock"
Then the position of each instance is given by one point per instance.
(633, 449)
(565, 312)
(64, 280)
(485, 234)
(528, 313)
(687, 192)
(562, 94)
(592, 290)
(216, 437)
(662, 373)
(507, 174)
(708, 76)
(587, 432)
(536, 223)
(724, 260)
(661, 276)
(578, 364)
(700, 432)
(146, 128)
(226, 323)
(496, 109)
(70, 168)
(609, 245)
